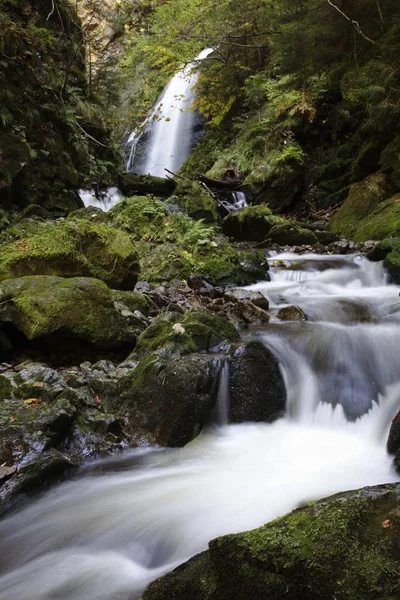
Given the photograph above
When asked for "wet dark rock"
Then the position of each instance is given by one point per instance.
(345, 546)
(254, 264)
(171, 396)
(256, 298)
(257, 391)
(393, 443)
(291, 313)
(35, 475)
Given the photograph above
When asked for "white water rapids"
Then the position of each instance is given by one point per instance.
(126, 520)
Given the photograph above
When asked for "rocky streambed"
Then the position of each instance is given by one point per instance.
(307, 393)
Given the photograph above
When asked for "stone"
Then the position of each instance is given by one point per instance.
(71, 249)
(171, 396)
(252, 223)
(256, 298)
(287, 234)
(257, 390)
(291, 313)
(345, 546)
(80, 308)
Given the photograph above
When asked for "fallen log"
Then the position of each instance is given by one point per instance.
(133, 183)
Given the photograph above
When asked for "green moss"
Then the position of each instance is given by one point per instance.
(70, 249)
(251, 223)
(288, 234)
(333, 548)
(79, 307)
(364, 198)
(195, 201)
(195, 331)
(384, 221)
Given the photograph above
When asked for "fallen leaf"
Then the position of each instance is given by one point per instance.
(386, 524)
(31, 401)
(38, 384)
(12, 419)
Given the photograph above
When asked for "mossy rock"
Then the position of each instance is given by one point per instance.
(288, 234)
(364, 214)
(382, 249)
(390, 161)
(171, 396)
(79, 308)
(252, 223)
(143, 216)
(343, 547)
(70, 249)
(392, 264)
(195, 331)
(195, 201)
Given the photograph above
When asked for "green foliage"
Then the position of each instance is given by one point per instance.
(45, 115)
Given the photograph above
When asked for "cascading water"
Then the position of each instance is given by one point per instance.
(239, 200)
(168, 134)
(126, 520)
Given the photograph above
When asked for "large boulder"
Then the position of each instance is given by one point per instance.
(171, 396)
(173, 388)
(371, 210)
(289, 234)
(343, 547)
(70, 249)
(194, 331)
(252, 223)
(80, 308)
(393, 443)
(257, 391)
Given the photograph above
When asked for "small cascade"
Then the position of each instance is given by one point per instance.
(105, 199)
(239, 200)
(167, 136)
(222, 405)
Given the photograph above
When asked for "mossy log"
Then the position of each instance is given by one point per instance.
(133, 183)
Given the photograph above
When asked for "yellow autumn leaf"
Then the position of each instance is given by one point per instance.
(31, 400)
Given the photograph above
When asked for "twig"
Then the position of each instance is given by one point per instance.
(379, 10)
(175, 174)
(53, 8)
(92, 138)
(355, 24)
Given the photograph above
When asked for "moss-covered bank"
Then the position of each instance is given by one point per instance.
(345, 547)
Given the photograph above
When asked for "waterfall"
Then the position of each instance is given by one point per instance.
(239, 200)
(168, 134)
(127, 519)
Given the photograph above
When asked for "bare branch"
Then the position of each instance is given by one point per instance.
(355, 24)
(91, 137)
(53, 8)
(378, 6)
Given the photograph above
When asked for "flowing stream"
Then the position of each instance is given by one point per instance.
(126, 520)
